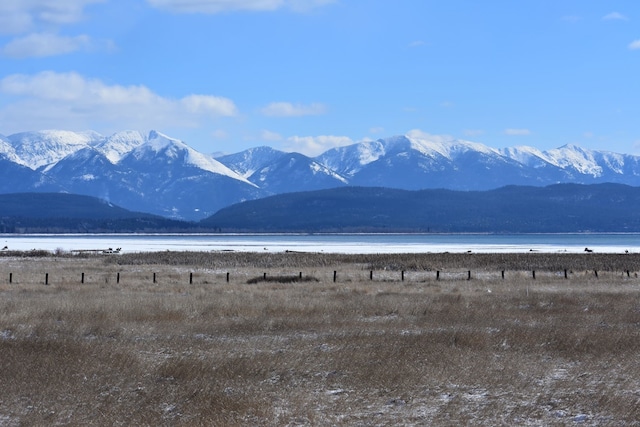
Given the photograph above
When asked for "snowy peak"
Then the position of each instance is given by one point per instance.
(576, 158)
(247, 162)
(120, 144)
(162, 148)
(36, 149)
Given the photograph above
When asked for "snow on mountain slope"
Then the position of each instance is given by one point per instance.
(160, 146)
(37, 149)
(247, 162)
(449, 148)
(576, 158)
(8, 152)
(349, 160)
(118, 145)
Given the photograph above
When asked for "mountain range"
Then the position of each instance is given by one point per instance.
(157, 174)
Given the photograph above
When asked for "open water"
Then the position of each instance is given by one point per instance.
(330, 243)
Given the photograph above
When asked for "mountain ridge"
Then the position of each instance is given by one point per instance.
(162, 175)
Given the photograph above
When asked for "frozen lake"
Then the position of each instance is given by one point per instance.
(334, 243)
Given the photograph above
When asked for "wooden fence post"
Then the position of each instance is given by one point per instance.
(10, 278)
(371, 275)
(437, 274)
(82, 278)
(154, 277)
(469, 275)
(502, 274)
(46, 278)
(118, 277)
(335, 275)
(533, 272)
(565, 273)
(402, 276)
(190, 278)
(227, 277)
(596, 273)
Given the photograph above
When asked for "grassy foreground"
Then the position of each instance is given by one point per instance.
(357, 351)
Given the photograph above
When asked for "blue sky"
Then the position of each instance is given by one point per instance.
(309, 75)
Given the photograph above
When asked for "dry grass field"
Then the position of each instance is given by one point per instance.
(365, 349)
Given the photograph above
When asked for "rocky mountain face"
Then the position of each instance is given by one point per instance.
(161, 175)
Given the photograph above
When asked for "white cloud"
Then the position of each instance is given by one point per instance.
(218, 6)
(70, 100)
(315, 145)
(420, 134)
(376, 130)
(209, 105)
(473, 132)
(21, 16)
(615, 16)
(43, 44)
(287, 109)
(268, 135)
(634, 45)
(517, 132)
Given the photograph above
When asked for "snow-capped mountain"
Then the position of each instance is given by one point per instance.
(158, 174)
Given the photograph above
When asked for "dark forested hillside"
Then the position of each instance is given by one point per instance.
(69, 213)
(511, 209)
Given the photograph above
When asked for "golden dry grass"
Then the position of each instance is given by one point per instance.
(486, 351)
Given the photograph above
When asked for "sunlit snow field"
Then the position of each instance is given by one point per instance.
(330, 243)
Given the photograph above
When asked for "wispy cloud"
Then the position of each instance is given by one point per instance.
(267, 135)
(22, 16)
(473, 132)
(287, 109)
(634, 45)
(417, 43)
(46, 99)
(219, 6)
(43, 44)
(615, 16)
(315, 145)
(420, 134)
(517, 132)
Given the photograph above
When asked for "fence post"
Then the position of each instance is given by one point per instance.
(371, 275)
(627, 274)
(502, 274)
(402, 275)
(227, 277)
(335, 275)
(10, 278)
(533, 272)
(565, 273)
(190, 278)
(118, 277)
(596, 273)
(300, 275)
(154, 277)
(437, 274)
(82, 278)
(46, 278)
(469, 275)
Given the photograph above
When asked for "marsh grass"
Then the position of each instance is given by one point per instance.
(486, 351)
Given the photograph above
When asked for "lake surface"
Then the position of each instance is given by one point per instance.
(334, 243)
